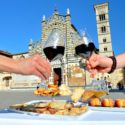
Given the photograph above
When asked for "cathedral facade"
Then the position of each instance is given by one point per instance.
(68, 69)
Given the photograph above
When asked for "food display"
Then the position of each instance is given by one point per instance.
(107, 102)
(52, 107)
(88, 94)
(52, 90)
(92, 97)
(76, 94)
(67, 108)
(81, 101)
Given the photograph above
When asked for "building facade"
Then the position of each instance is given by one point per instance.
(5, 77)
(68, 68)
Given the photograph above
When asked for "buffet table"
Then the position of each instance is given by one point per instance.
(94, 116)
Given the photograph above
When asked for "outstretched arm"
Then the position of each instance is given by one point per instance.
(35, 65)
(120, 60)
(99, 63)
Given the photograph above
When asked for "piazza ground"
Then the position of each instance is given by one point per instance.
(11, 97)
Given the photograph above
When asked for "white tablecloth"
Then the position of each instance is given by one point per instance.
(94, 116)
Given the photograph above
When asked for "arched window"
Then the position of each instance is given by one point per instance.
(105, 49)
(102, 17)
(103, 29)
(104, 40)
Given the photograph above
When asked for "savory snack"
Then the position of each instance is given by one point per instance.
(77, 94)
(78, 110)
(36, 92)
(87, 95)
(99, 94)
(57, 105)
(52, 86)
(41, 105)
(41, 110)
(83, 109)
(120, 103)
(75, 111)
(52, 90)
(62, 112)
(68, 105)
(108, 103)
(95, 102)
(53, 108)
(64, 90)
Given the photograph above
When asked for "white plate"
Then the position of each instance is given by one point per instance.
(107, 109)
(47, 116)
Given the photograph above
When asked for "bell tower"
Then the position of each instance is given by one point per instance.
(103, 29)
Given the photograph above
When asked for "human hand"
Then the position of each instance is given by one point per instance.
(35, 65)
(98, 63)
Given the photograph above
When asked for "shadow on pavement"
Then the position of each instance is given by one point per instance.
(117, 90)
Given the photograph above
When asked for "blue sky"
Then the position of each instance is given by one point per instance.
(20, 20)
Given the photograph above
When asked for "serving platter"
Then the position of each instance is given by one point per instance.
(107, 109)
(93, 113)
(48, 116)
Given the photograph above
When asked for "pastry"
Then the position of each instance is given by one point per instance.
(87, 95)
(41, 105)
(57, 105)
(95, 102)
(62, 112)
(64, 90)
(100, 93)
(75, 111)
(77, 94)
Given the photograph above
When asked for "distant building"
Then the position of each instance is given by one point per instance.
(68, 70)
(5, 78)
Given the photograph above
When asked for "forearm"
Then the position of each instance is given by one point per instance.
(8, 64)
(120, 60)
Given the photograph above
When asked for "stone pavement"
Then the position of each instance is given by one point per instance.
(11, 97)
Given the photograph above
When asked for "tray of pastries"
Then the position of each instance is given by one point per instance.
(51, 108)
(74, 107)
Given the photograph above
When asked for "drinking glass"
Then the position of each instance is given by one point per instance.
(85, 47)
(55, 45)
